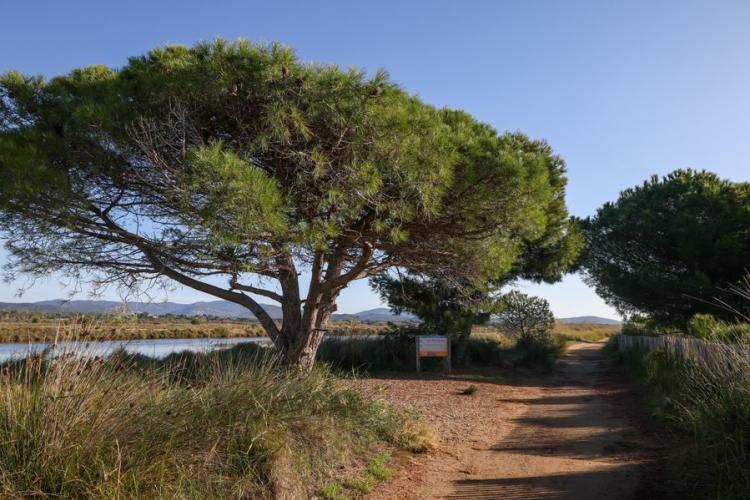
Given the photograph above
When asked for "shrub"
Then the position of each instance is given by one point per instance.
(528, 318)
(395, 352)
(220, 331)
(642, 325)
(710, 406)
(530, 321)
(736, 332)
(228, 424)
(376, 352)
(703, 326)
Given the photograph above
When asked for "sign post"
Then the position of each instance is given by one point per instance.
(434, 346)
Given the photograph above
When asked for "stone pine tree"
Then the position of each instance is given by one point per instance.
(444, 309)
(231, 168)
(451, 306)
(672, 247)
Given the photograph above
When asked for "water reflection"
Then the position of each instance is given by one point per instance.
(156, 348)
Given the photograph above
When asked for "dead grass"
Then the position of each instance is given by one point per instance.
(579, 332)
(229, 424)
(585, 332)
(45, 330)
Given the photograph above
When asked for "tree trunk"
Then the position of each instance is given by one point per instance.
(302, 344)
(463, 340)
(303, 326)
(301, 355)
(303, 330)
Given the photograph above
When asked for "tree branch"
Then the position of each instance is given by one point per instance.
(234, 285)
(160, 267)
(352, 274)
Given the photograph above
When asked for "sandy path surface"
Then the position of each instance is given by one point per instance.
(559, 434)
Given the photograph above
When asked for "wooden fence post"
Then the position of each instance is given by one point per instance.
(416, 344)
(448, 357)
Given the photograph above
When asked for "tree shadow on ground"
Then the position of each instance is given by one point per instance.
(558, 486)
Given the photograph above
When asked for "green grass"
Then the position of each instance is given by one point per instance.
(709, 408)
(331, 491)
(364, 484)
(378, 467)
(377, 472)
(230, 424)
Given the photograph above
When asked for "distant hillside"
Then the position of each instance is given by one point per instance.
(590, 319)
(377, 314)
(218, 308)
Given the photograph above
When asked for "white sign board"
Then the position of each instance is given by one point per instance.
(434, 346)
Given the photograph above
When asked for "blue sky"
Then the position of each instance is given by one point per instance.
(620, 90)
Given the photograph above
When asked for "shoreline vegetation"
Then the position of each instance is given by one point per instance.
(701, 404)
(35, 327)
(229, 423)
(226, 424)
(107, 328)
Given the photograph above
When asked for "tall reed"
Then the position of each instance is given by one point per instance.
(711, 405)
(222, 425)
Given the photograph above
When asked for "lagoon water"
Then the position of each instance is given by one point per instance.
(156, 348)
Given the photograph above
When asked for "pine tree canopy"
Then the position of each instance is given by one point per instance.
(230, 167)
(672, 247)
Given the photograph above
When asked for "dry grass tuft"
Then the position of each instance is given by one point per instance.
(584, 332)
(229, 424)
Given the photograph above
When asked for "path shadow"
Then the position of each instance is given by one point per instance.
(579, 423)
(598, 446)
(551, 400)
(520, 376)
(558, 486)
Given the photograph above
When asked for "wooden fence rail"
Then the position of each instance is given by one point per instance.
(713, 356)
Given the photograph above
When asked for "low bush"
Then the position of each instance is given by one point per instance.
(229, 424)
(395, 351)
(539, 351)
(710, 407)
(392, 352)
(640, 325)
(701, 326)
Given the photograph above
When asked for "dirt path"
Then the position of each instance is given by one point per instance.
(563, 434)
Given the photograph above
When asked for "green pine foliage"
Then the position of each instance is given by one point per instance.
(672, 248)
(443, 308)
(239, 162)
